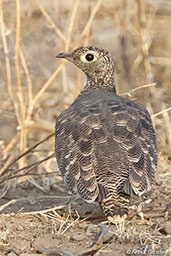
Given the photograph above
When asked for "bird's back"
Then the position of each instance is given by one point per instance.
(104, 143)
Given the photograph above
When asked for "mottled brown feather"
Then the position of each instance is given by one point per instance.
(105, 145)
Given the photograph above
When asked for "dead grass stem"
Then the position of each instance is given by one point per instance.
(71, 24)
(51, 22)
(7, 61)
(8, 167)
(6, 52)
(90, 20)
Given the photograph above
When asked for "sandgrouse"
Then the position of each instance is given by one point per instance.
(105, 144)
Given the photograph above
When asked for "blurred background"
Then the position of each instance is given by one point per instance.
(35, 86)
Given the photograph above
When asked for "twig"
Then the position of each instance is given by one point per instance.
(87, 27)
(7, 61)
(14, 201)
(73, 15)
(51, 22)
(161, 112)
(28, 78)
(138, 88)
(8, 161)
(6, 52)
(11, 144)
(59, 207)
(32, 166)
(2, 207)
(25, 153)
(44, 88)
(23, 143)
(145, 38)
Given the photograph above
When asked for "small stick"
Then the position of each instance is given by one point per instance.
(51, 22)
(87, 26)
(25, 153)
(161, 112)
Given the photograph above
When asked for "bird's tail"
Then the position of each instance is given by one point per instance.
(115, 205)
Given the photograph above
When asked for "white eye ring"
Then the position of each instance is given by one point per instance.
(88, 57)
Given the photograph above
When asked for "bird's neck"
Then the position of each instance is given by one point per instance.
(100, 84)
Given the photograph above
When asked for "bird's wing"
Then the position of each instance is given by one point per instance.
(133, 130)
(74, 153)
(95, 134)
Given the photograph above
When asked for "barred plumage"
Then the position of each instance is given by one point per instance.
(105, 145)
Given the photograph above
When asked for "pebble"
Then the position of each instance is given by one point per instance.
(77, 237)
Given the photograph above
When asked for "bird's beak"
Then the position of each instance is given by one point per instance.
(63, 55)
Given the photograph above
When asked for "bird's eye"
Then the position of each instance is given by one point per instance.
(88, 58)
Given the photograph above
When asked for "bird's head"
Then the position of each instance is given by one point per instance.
(95, 62)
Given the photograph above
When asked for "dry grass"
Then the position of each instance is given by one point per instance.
(35, 88)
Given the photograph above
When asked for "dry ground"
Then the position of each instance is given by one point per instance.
(36, 216)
